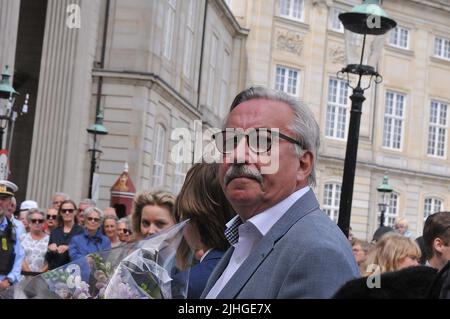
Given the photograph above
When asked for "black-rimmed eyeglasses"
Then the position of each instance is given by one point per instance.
(259, 140)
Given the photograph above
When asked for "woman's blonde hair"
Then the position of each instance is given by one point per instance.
(157, 198)
(390, 251)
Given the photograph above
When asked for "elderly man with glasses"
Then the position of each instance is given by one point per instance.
(283, 245)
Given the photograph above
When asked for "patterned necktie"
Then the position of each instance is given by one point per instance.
(231, 233)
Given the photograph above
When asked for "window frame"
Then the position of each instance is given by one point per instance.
(340, 84)
(394, 117)
(432, 206)
(442, 52)
(286, 80)
(332, 210)
(290, 12)
(398, 38)
(159, 150)
(437, 125)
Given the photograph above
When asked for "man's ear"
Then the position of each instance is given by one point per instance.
(305, 168)
(438, 244)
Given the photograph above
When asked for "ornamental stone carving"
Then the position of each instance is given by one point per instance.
(290, 41)
(337, 54)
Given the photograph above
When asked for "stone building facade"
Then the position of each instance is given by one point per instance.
(298, 46)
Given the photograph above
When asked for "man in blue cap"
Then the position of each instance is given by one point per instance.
(11, 252)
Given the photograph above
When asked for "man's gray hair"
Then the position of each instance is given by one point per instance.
(304, 123)
(89, 202)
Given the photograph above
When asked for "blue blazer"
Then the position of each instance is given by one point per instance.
(304, 255)
(198, 275)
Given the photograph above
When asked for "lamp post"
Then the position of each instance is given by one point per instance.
(8, 116)
(365, 28)
(384, 188)
(96, 131)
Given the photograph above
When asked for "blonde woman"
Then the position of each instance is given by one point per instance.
(391, 253)
(152, 212)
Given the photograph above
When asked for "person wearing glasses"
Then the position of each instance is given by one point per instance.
(35, 244)
(58, 198)
(58, 248)
(152, 212)
(124, 229)
(282, 244)
(52, 220)
(91, 240)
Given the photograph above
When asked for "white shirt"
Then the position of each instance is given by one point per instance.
(250, 233)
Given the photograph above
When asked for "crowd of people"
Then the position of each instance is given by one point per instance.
(255, 228)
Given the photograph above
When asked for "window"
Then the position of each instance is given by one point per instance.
(437, 131)
(331, 200)
(159, 152)
(189, 36)
(399, 37)
(336, 109)
(393, 120)
(431, 206)
(212, 68)
(292, 9)
(169, 27)
(442, 48)
(390, 215)
(286, 80)
(334, 23)
(179, 174)
(224, 83)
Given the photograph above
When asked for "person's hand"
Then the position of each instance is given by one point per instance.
(4, 284)
(62, 249)
(52, 247)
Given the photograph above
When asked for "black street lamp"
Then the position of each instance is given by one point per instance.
(96, 131)
(384, 188)
(8, 116)
(365, 28)
(7, 98)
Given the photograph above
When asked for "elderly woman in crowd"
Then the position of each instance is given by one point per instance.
(91, 240)
(52, 220)
(124, 229)
(58, 248)
(35, 244)
(152, 212)
(401, 226)
(110, 230)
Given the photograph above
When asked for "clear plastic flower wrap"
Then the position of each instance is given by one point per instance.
(142, 270)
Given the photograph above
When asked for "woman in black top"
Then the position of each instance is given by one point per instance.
(58, 245)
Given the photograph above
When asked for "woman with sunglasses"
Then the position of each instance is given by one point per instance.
(91, 240)
(58, 248)
(52, 220)
(35, 244)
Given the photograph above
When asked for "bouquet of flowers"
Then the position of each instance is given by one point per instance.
(140, 270)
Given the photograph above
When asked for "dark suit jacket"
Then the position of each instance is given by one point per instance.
(197, 276)
(304, 255)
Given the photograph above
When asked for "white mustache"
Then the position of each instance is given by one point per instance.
(235, 171)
